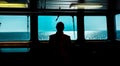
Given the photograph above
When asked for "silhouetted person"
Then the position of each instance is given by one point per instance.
(60, 44)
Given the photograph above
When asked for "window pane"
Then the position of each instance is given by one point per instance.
(14, 3)
(117, 26)
(95, 27)
(47, 26)
(14, 28)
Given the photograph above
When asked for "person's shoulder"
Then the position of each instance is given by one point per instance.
(66, 35)
(52, 35)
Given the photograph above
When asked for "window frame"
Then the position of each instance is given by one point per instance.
(55, 14)
(105, 26)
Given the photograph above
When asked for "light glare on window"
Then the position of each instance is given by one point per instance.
(4, 4)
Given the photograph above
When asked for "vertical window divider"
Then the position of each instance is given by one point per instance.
(111, 20)
(80, 25)
(34, 23)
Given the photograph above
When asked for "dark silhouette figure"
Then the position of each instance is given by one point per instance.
(61, 45)
(0, 23)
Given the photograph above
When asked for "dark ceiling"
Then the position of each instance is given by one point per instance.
(65, 4)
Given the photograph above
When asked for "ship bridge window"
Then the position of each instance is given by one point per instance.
(117, 17)
(47, 26)
(95, 27)
(14, 28)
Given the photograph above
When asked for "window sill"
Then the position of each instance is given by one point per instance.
(18, 43)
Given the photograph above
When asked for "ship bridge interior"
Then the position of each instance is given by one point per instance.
(25, 27)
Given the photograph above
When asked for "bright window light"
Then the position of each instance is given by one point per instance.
(13, 5)
(4, 4)
(86, 5)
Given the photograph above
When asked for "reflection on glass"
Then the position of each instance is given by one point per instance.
(117, 17)
(14, 4)
(47, 26)
(14, 28)
(95, 27)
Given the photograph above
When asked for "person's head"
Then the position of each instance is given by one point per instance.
(60, 26)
